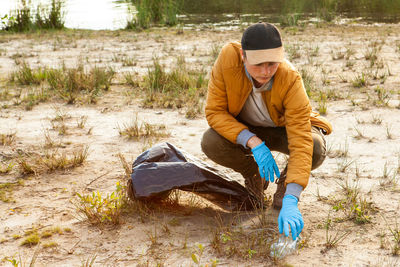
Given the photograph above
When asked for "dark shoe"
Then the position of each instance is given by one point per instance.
(256, 185)
(280, 190)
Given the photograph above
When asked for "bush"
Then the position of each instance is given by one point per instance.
(22, 19)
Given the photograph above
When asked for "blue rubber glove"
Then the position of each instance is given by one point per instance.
(265, 161)
(290, 215)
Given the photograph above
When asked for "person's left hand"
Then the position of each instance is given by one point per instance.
(290, 215)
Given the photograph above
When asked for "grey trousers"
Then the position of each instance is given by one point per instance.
(240, 159)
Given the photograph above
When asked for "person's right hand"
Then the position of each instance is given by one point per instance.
(265, 161)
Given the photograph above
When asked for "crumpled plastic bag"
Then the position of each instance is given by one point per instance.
(164, 167)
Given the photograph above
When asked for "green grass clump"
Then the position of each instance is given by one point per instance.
(154, 12)
(7, 139)
(23, 19)
(308, 81)
(136, 130)
(27, 76)
(99, 209)
(181, 87)
(31, 239)
(6, 192)
(72, 83)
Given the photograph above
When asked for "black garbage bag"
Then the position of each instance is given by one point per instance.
(163, 168)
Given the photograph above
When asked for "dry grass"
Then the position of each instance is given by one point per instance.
(49, 162)
(142, 130)
(7, 139)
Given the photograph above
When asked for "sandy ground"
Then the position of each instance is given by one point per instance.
(335, 55)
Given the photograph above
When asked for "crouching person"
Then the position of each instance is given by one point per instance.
(256, 103)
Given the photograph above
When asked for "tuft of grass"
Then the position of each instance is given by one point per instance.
(359, 133)
(360, 81)
(343, 164)
(75, 83)
(100, 209)
(50, 245)
(137, 131)
(6, 192)
(34, 97)
(55, 161)
(27, 76)
(308, 80)
(389, 134)
(31, 239)
(293, 51)
(52, 161)
(395, 232)
(6, 168)
(154, 12)
(354, 205)
(341, 152)
(89, 262)
(245, 243)
(322, 104)
(290, 20)
(215, 49)
(7, 139)
(388, 177)
(376, 119)
(383, 96)
(332, 240)
(81, 122)
(178, 88)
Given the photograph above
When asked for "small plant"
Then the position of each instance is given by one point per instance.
(395, 232)
(336, 55)
(181, 87)
(332, 240)
(7, 139)
(343, 164)
(72, 83)
(89, 262)
(354, 205)
(389, 134)
(290, 20)
(27, 76)
(31, 239)
(56, 161)
(360, 81)
(293, 51)
(136, 130)
(388, 177)
(196, 257)
(215, 49)
(6, 192)
(383, 96)
(81, 122)
(308, 80)
(376, 119)
(50, 245)
(341, 152)
(359, 134)
(99, 209)
(322, 105)
(6, 168)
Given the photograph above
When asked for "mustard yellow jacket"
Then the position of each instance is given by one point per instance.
(287, 103)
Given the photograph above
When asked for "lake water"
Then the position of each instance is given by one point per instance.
(113, 14)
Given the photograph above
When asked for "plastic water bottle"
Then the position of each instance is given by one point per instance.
(284, 246)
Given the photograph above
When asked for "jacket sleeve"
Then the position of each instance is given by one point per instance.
(298, 128)
(217, 111)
